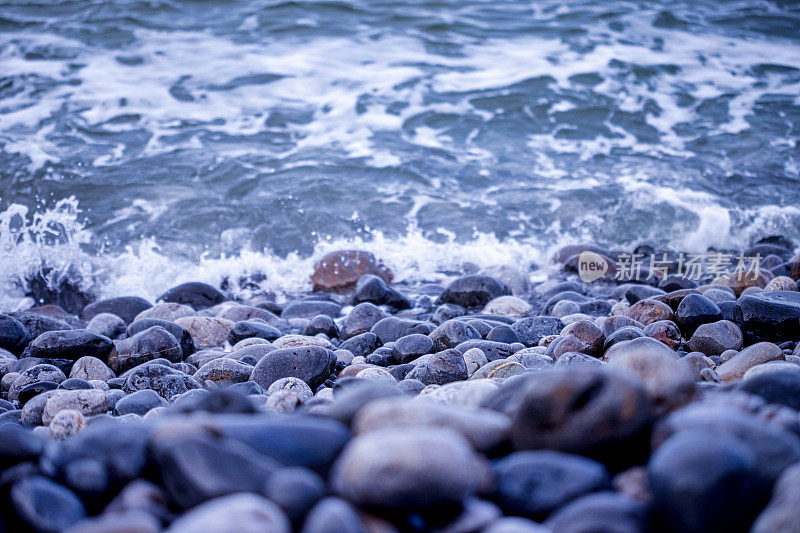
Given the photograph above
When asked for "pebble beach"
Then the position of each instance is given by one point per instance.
(482, 405)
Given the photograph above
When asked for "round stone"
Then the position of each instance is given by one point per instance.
(66, 424)
(406, 468)
(294, 385)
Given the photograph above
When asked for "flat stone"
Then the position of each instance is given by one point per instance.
(69, 344)
(771, 316)
(195, 294)
(467, 393)
(311, 308)
(250, 512)
(399, 468)
(735, 368)
(139, 403)
(392, 328)
(122, 522)
(297, 341)
(499, 368)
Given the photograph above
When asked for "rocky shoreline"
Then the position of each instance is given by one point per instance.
(662, 402)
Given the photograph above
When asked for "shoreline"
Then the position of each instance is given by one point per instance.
(385, 407)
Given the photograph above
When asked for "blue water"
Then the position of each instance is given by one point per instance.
(433, 133)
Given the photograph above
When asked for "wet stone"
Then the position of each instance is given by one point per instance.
(107, 325)
(125, 307)
(333, 514)
(499, 368)
(360, 320)
(603, 511)
(694, 310)
(771, 316)
(322, 324)
(531, 330)
(166, 381)
(69, 344)
(35, 374)
(440, 368)
(370, 288)
(194, 294)
(392, 328)
(181, 335)
(312, 364)
(509, 306)
(14, 336)
(716, 338)
(452, 333)
(341, 270)
(150, 344)
(311, 308)
(664, 331)
(362, 344)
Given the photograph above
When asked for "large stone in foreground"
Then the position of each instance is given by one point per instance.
(586, 411)
(408, 467)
